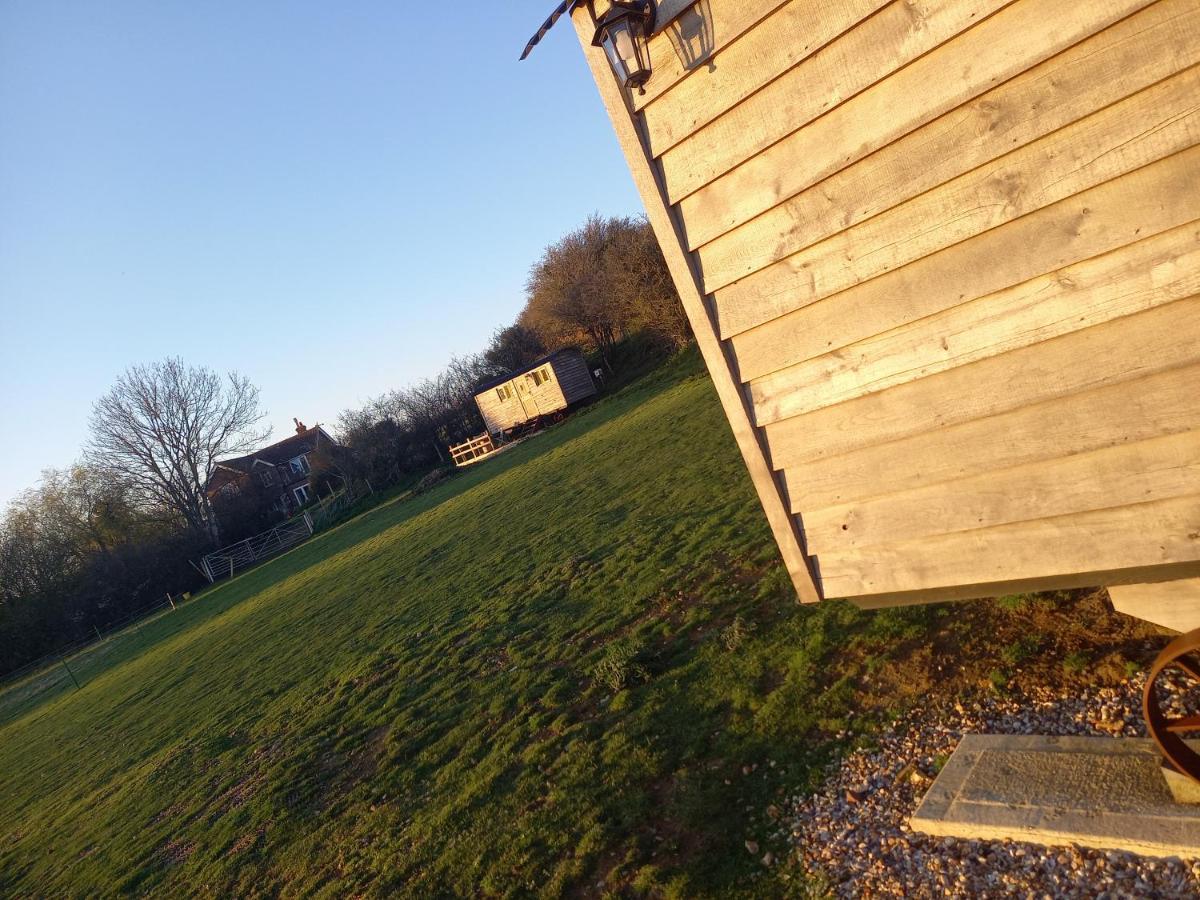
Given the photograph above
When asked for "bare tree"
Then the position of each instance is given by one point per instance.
(513, 348)
(569, 291)
(600, 283)
(640, 280)
(163, 427)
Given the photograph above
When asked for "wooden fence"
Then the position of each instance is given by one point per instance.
(473, 450)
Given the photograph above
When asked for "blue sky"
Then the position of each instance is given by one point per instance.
(329, 198)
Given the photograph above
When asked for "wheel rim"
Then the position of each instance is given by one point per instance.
(1167, 730)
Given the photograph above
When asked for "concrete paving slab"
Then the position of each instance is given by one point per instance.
(1089, 791)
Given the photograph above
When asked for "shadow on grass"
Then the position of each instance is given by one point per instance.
(28, 695)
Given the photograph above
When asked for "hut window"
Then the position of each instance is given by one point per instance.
(504, 392)
(541, 376)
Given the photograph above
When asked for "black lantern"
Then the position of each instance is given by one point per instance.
(624, 32)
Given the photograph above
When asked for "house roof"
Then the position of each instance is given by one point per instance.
(541, 361)
(280, 452)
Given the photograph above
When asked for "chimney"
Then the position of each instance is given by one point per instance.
(300, 429)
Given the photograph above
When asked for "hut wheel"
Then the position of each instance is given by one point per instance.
(1166, 719)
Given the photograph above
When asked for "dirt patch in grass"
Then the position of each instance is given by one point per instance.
(176, 851)
(1058, 640)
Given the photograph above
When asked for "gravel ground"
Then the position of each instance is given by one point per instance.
(853, 833)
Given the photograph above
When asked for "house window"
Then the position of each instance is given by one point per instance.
(301, 493)
(267, 476)
(540, 376)
(300, 465)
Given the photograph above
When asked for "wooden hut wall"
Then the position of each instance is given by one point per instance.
(943, 261)
(501, 414)
(573, 376)
(546, 397)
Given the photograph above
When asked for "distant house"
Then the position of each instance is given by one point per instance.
(279, 473)
(544, 388)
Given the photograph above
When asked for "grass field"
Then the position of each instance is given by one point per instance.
(578, 668)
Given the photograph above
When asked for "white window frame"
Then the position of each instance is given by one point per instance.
(302, 468)
(267, 476)
(300, 501)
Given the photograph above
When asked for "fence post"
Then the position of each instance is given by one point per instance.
(69, 672)
(96, 628)
(169, 600)
(308, 521)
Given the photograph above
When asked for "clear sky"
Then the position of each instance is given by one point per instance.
(331, 198)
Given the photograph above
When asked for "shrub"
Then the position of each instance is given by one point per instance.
(430, 479)
(618, 667)
(1075, 662)
(1020, 650)
(735, 633)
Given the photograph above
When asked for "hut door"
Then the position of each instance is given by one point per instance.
(528, 401)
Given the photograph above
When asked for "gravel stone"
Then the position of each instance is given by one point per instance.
(864, 848)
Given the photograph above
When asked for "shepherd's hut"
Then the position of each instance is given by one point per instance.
(542, 390)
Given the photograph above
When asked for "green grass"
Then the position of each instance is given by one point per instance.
(548, 672)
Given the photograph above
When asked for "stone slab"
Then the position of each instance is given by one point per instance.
(1099, 792)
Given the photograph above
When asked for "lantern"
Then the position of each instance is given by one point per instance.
(624, 32)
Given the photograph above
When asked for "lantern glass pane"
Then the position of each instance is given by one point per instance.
(621, 49)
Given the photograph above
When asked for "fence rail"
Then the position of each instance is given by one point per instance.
(475, 449)
(228, 560)
(58, 661)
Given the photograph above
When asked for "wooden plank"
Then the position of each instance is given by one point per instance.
(727, 22)
(647, 178)
(792, 34)
(1169, 604)
(1091, 579)
(1116, 63)
(1094, 545)
(899, 33)
(1158, 270)
(1122, 350)
(991, 53)
(1152, 125)
(1160, 404)
(1156, 469)
(1151, 200)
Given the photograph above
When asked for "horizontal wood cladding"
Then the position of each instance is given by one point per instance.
(899, 33)
(1122, 350)
(1153, 199)
(1170, 604)
(1100, 547)
(1159, 270)
(1155, 469)
(1129, 57)
(1150, 126)
(791, 34)
(1159, 404)
(798, 154)
(728, 22)
(943, 260)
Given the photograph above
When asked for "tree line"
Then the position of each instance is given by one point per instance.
(603, 285)
(122, 527)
